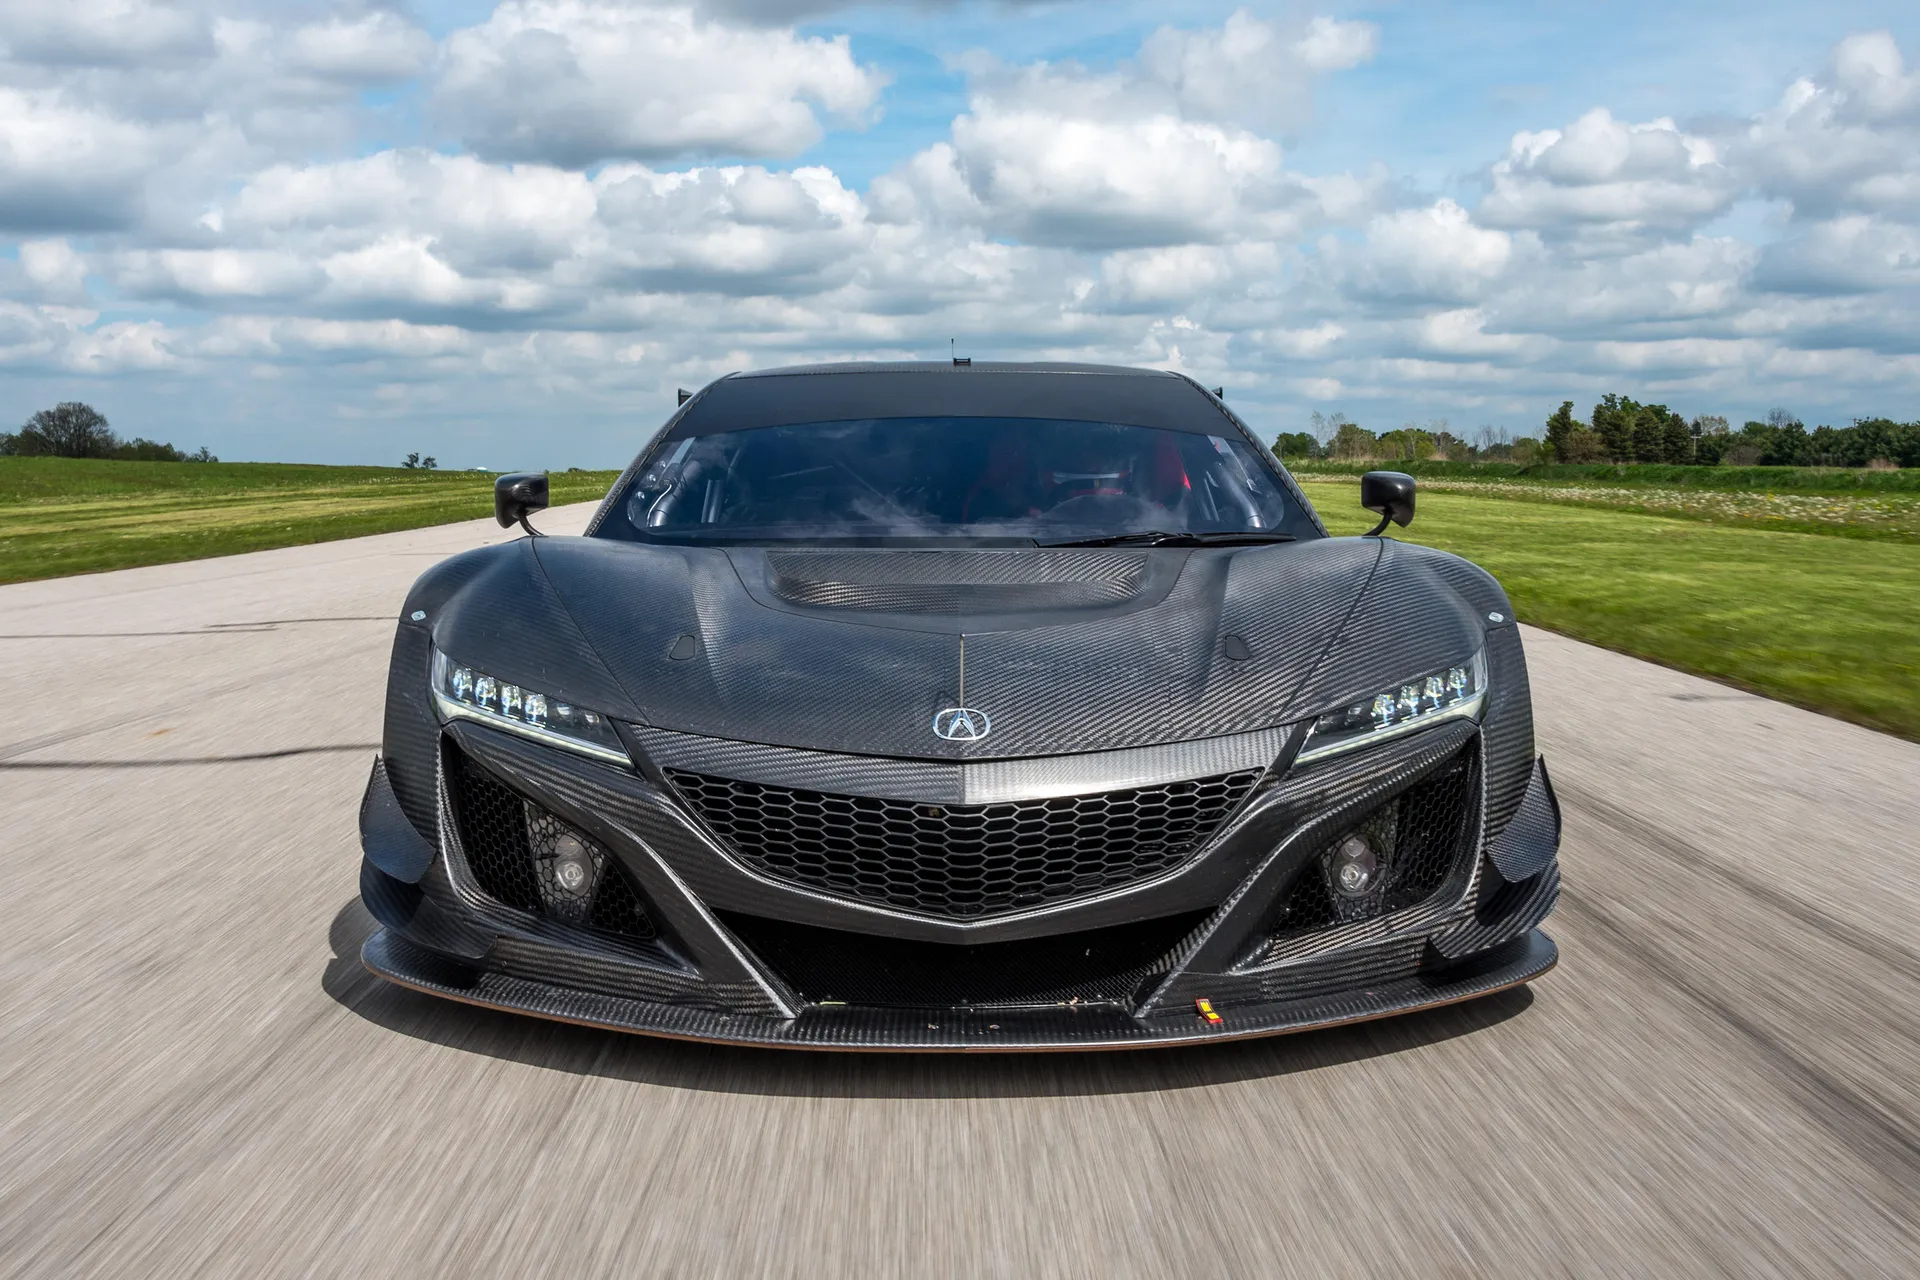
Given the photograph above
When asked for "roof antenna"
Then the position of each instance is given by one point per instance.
(953, 349)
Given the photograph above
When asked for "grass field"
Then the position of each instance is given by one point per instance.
(67, 515)
(1800, 500)
(1829, 623)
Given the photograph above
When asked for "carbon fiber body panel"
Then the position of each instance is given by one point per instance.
(1529, 842)
(1134, 833)
(1145, 671)
(392, 842)
(1509, 912)
(411, 731)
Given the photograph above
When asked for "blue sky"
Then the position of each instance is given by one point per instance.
(503, 234)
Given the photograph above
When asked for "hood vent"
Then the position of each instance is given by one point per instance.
(956, 582)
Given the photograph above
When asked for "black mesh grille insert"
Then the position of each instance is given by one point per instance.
(964, 860)
(493, 834)
(509, 844)
(1419, 837)
(1095, 965)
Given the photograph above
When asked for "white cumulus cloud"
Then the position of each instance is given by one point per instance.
(1603, 173)
(573, 82)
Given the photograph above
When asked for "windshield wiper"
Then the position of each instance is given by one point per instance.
(1161, 538)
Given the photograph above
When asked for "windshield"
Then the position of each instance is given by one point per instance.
(1041, 480)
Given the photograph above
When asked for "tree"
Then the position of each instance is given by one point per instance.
(1648, 433)
(68, 430)
(1660, 436)
(1325, 427)
(1296, 444)
(1614, 418)
(415, 462)
(1790, 446)
(1561, 425)
(1676, 441)
(1351, 441)
(1408, 444)
(1527, 451)
(1882, 440)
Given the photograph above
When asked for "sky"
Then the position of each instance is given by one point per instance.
(504, 234)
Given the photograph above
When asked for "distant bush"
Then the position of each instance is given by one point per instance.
(74, 430)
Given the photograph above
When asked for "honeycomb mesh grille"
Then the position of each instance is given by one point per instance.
(963, 861)
(1419, 836)
(509, 844)
(493, 834)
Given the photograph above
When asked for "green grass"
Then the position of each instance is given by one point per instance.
(1891, 514)
(1828, 623)
(67, 515)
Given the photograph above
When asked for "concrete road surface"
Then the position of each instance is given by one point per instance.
(197, 1077)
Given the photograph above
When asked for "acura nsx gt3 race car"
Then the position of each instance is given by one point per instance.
(958, 707)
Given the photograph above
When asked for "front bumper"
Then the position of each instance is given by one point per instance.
(699, 972)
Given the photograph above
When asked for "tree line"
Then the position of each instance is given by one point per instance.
(1339, 438)
(1621, 429)
(74, 430)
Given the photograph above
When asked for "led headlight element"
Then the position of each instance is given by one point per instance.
(1451, 693)
(466, 693)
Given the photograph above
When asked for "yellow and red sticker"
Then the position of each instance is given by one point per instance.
(1205, 1009)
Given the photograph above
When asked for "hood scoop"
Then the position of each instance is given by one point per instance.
(956, 582)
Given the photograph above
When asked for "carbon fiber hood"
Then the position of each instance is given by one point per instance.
(856, 651)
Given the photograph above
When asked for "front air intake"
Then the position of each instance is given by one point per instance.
(1108, 966)
(524, 857)
(1412, 845)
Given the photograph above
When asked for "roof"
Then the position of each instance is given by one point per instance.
(972, 369)
(916, 389)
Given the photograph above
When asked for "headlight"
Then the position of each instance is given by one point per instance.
(1450, 693)
(467, 693)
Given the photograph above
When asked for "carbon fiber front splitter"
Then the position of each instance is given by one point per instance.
(1002, 1030)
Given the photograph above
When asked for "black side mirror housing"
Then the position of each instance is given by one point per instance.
(518, 496)
(1389, 494)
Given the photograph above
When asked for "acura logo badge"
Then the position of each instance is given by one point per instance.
(962, 724)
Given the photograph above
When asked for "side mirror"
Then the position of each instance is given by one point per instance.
(1390, 494)
(518, 496)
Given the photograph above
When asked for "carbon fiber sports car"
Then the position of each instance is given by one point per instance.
(958, 707)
